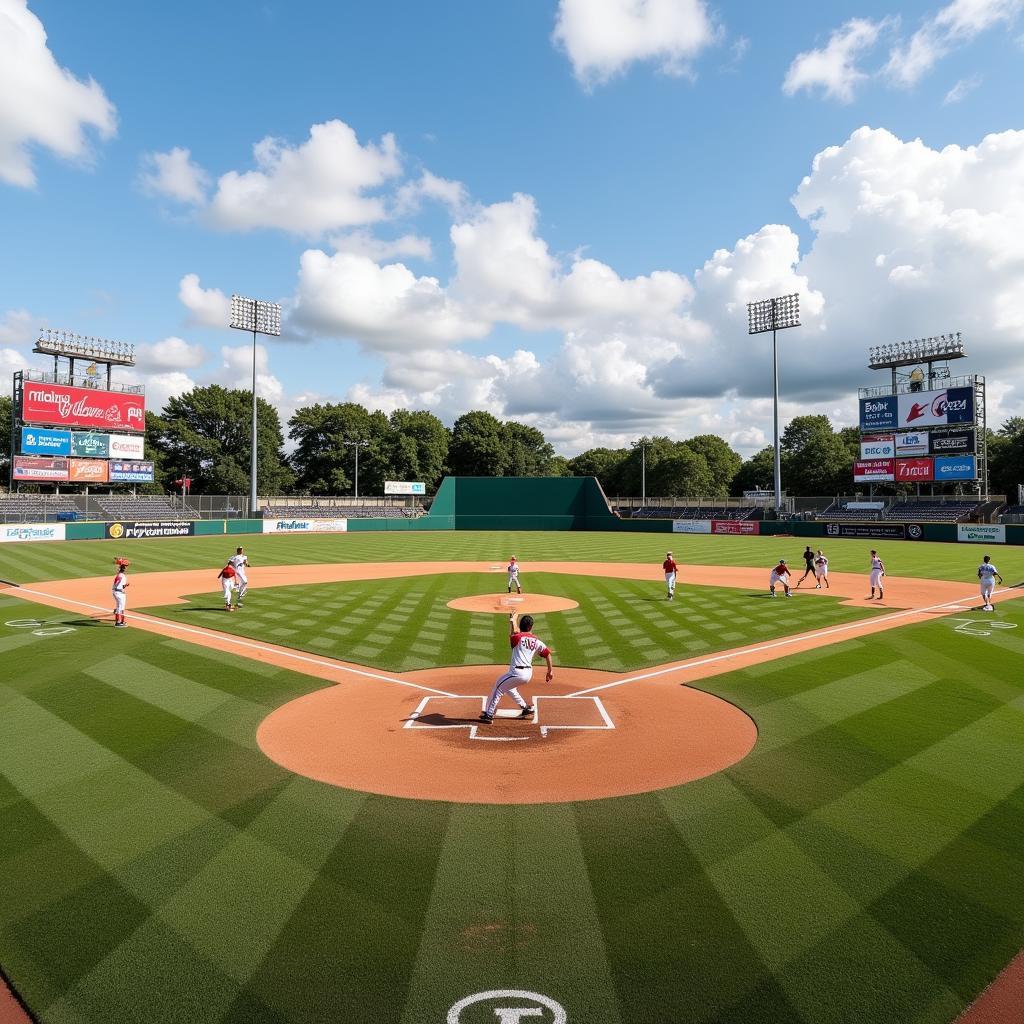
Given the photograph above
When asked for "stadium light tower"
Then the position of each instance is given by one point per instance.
(260, 318)
(357, 445)
(774, 315)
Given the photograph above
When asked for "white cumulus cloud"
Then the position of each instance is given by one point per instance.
(172, 353)
(174, 175)
(834, 68)
(207, 306)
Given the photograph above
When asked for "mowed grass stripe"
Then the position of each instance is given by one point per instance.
(512, 907)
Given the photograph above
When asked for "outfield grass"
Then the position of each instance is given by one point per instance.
(25, 563)
(405, 624)
(863, 864)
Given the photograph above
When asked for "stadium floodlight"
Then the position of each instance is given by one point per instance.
(357, 445)
(53, 342)
(260, 318)
(919, 350)
(774, 315)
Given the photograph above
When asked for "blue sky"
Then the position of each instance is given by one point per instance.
(552, 210)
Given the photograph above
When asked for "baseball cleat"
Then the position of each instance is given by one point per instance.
(484, 717)
(526, 712)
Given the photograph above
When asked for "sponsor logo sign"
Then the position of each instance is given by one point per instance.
(87, 471)
(130, 472)
(59, 405)
(691, 525)
(880, 531)
(130, 530)
(936, 408)
(980, 533)
(90, 446)
(915, 532)
(11, 533)
(878, 447)
(914, 471)
(45, 442)
(913, 443)
(879, 414)
(36, 467)
(305, 525)
(873, 469)
(958, 442)
(956, 467)
(124, 447)
(404, 487)
(743, 527)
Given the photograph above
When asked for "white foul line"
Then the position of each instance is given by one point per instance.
(228, 638)
(784, 642)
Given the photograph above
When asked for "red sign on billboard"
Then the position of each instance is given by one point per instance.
(873, 469)
(915, 471)
(40, 467)
(60, 405)
(746, 527)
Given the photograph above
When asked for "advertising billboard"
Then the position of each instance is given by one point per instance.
(866, 470)
(743, 527)
(404, 487)
(956, 467)
(305, 525)
(39, 467)
(914, 442)
(11, 533)
(90, 446)
(45, 442)
(691, 525)
(61, 406)
(914, 471)
(130, 472)
(124, 447)
(957, 442)
(150, 528)
(87, 471)
(882, 447)
(878, 531)
(980, 533)
(936, 408)
(878, 415)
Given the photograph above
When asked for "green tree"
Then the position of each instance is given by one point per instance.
(723, 463)
(417, 447)
(478, 446)
(559, 466)
(680, 473)
(527, 453)
(6, 422)
(604, 463)
(818, 459)
(324, 455)
(1006, 458)
(756, 473)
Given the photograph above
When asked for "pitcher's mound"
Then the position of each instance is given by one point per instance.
(505, 604)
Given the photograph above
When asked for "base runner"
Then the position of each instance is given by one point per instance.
(227, 580)
(808, 557)
(780, 574)
(820, 570)
(877, 575)
(118, 588)
(988, 574)
(525, 646)
(239, 561)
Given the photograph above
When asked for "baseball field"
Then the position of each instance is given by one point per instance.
(727, 808)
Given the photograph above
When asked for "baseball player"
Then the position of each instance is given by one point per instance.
(988, 574)
(513, 576)
(227, 578)
(877, 575)
(820, 570)
(670, 569)
(239, 561)
(120, 585)
(520, 670)
(780, 574)
(808, 557)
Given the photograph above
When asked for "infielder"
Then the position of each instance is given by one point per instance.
(671, 570)
(877, 575)
(513, 576)
(820, 570)
(525, 646)
(988, 574)
(227, 579)
(780, 574)
(239, 561)
(120, 585)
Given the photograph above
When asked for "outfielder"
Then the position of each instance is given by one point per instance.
(821, 570)
(239, 561)
(670, 569)
(513, 576)
(227, 579)
(525, 646)
(988, 574)
(120, 585)
(877, 575)
(780, 574)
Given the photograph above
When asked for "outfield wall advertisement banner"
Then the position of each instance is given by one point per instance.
(980, 533)
(914, 471)
(130, 472)
(742, 527)
(883, 447)
(305, 525)
(914, 442)
(124, 447)
(936, 408)
(90, 446)
(133, 530)
(87, 471)
(958, 442)
(62, 406)
(45, 442)
(877, 531)
(867, 470)
(37, 467)
(691, 525)
(956, 467)
(878, 415)
(404, 487)
(11, 533)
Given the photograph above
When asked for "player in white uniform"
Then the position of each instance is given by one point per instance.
(513, 576)
(525, 646)
(120, 585)
(877, 575)
(820, 570)
(988, 574)
(239, 561)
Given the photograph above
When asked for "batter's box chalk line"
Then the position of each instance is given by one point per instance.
(534, 724)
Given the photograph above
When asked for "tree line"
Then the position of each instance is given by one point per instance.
(203, 434)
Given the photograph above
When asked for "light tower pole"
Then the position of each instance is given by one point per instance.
(260, 318)
(774, 315)
(357, 445)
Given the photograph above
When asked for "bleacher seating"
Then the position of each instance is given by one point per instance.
(930, 511)
(847, 514)
(693, 512)
(147, 507)
(341, 512)
(36, 508)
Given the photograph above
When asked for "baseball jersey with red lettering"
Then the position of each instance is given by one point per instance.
(669, 565)
(524, 648)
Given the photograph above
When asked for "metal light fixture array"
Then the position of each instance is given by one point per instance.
(255, 315)
(941, 346)
(773, 314)
(66, 343)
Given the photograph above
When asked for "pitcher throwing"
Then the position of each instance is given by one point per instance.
(525, 646)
